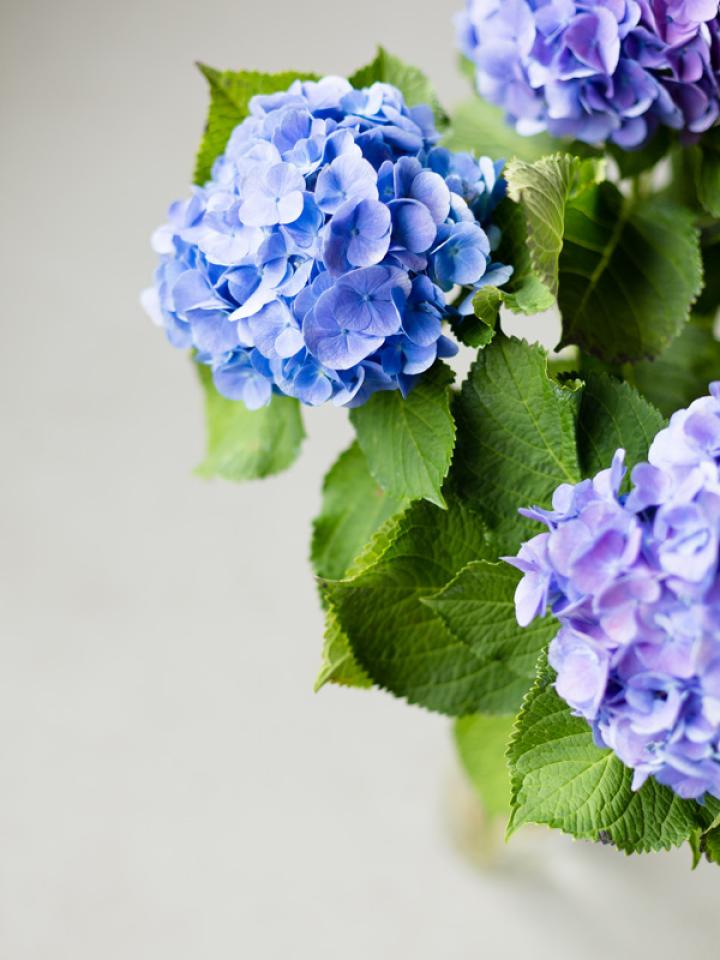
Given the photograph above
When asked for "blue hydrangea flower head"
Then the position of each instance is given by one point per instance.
(634, 580)
(325, 252)
(597, 70)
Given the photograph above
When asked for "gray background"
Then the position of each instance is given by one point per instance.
(170, 788)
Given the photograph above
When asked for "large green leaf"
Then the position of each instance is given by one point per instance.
(630, 271)
(247, 444)
(399, 641)
(409, 442)
(544, 189)
(560, 778)
(230, 94)
(353, 508)
(481, 128)
(478, 608)
(613, 415)
(682, 373)
(412, 82)
(516, 437)
(481, 743)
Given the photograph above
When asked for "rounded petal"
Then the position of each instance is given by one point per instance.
(414, 228)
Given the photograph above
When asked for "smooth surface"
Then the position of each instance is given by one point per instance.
(170, 787)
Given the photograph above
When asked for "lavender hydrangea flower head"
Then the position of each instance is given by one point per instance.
(635, 582)
(318, 259)
(597, 70)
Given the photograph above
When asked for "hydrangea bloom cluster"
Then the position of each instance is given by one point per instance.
(634, 581)
(597, 70)
(318, 259)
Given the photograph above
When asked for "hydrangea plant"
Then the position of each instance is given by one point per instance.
(344, 238)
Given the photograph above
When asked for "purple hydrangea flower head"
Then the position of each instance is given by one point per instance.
(597, 70)
(320, 259)
(634, 580)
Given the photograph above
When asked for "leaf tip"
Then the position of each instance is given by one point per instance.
(206, 70)
(320, 681)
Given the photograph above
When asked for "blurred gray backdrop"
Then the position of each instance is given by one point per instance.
(170, 787)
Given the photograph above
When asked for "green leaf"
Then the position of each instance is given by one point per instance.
(710, 845)
(516, 437)
(630, 271)
(709, 300)
(339, 664)
(377, 547)
(560, 778)
(230, 93)
(481, 744)
(478, 329)
(401, 643)
(409, 442)
(410, 81)
(247, 444)
(481, 128)
(353, 508)
(528, 297)
(681, 373)
(478, 608)
(338, 661)
(706, 160)
(706, 838)
(695, 847)
(613, 415)
(523, 293)
(709, 840)
(544, 189)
